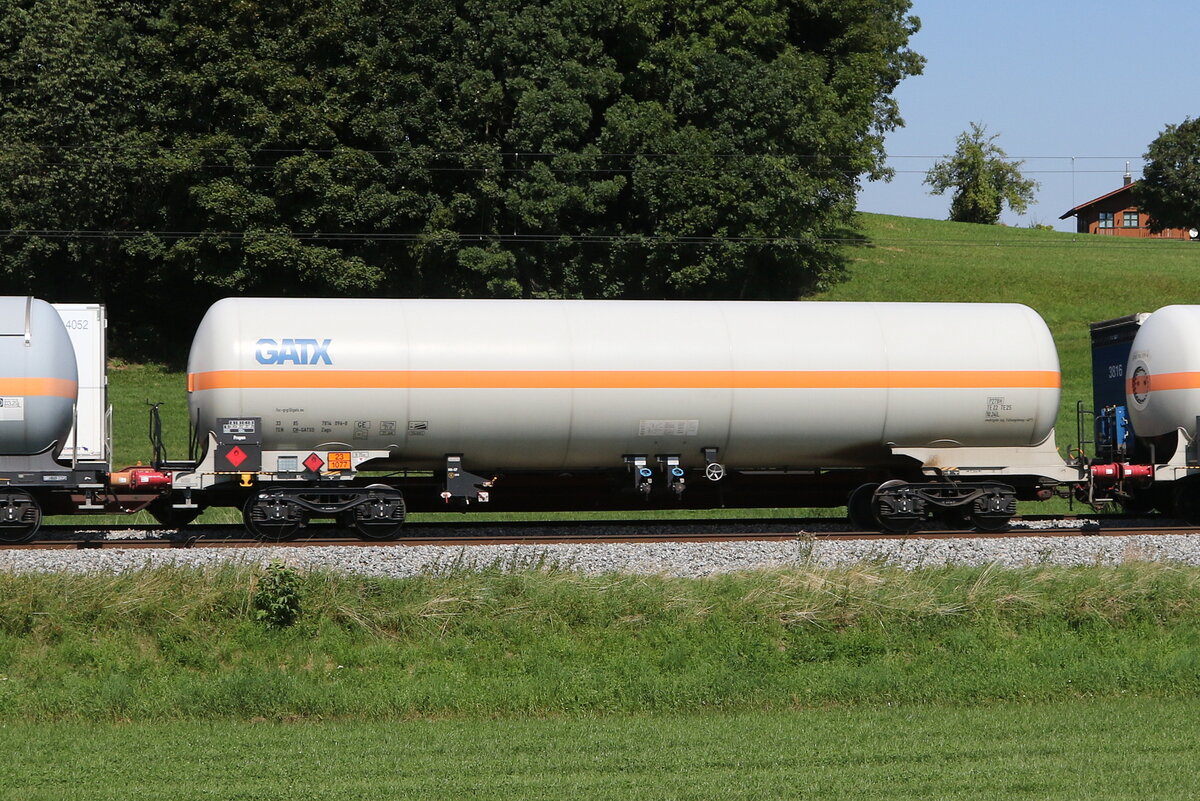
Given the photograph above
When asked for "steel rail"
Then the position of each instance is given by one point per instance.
(541, 533)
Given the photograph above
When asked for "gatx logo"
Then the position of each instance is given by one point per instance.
(293, 351)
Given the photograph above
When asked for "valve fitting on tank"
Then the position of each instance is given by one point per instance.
(673, 472)
(713, 470)
(462, 485)
(643, 476)
(138, 477)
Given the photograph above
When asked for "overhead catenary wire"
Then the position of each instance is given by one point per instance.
(514, 163)
(589, 170)
(425, 150)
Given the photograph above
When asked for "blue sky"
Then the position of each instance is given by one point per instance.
(1074, 88)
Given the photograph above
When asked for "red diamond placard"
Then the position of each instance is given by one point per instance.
(314, 462)
(235, 456)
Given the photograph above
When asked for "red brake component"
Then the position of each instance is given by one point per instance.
(139, 478)
(1112, 473)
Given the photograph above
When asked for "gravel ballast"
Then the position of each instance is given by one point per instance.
(687, 559)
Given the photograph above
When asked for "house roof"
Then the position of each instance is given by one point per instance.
(1093, 201)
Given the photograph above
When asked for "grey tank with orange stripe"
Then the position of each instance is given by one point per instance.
(571, 385)
(1162, 376)
(38, 377)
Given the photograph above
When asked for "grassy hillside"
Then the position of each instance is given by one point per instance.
(1070, 279)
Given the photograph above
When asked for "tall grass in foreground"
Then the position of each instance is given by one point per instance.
(181, 644)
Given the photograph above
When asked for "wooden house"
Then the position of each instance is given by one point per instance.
(1117, 214)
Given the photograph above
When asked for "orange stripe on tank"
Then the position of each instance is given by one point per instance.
(1162, 381)
(39, 387)
(623, 379)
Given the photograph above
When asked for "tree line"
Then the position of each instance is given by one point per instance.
(157, 156)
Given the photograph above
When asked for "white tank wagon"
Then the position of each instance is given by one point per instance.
(305, 388)
(554, 385)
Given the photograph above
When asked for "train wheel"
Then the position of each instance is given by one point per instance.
(1137, 503)
(271, 516)
(20, 516)
(381, 517)
(1163, 496)
(858, 507)
(896, 508)
(994, 511)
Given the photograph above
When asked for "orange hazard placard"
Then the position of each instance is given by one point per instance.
(339, 460)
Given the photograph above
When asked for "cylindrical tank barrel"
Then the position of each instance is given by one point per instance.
(38, 377)
(567, 385)
(1162, 377)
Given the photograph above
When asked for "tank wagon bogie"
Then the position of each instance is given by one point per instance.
(356, 411)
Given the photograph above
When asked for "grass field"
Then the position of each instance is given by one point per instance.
(860, 683)
(1111, 749)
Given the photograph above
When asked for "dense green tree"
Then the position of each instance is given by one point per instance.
(72, 148)
(983, 182)
(1169, 191)
(561, 148)
(266, 168)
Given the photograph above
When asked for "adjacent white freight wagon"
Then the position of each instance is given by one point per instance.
(39, 380)
(1162, 383)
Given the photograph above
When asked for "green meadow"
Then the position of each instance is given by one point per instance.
(1102, 750)
(176, 644)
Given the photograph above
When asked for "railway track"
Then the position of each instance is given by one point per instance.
(484, 533)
